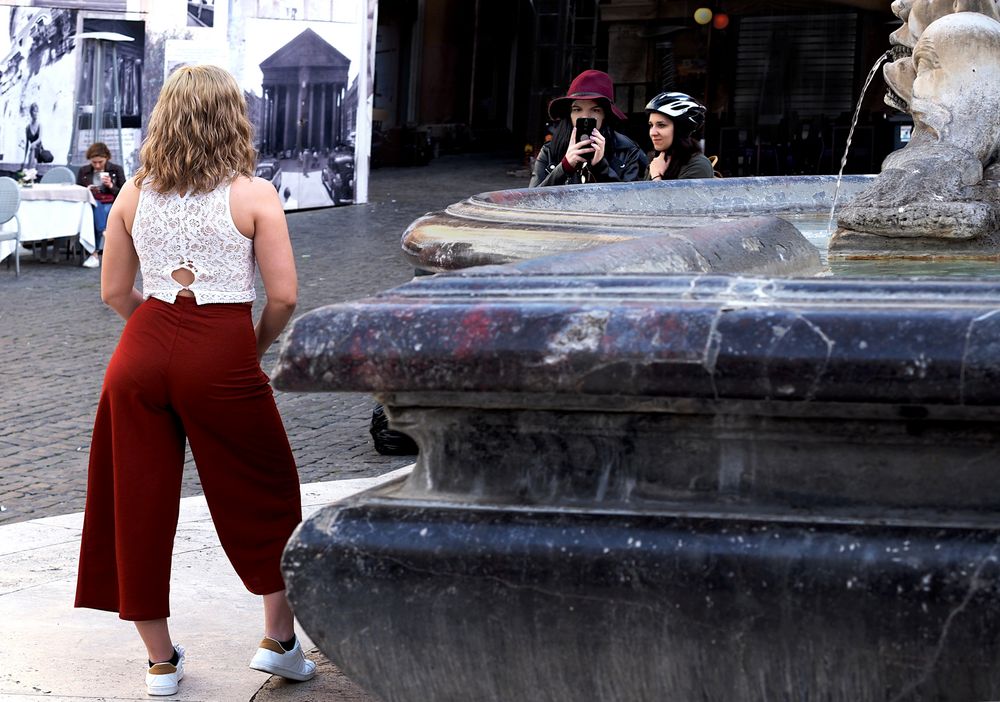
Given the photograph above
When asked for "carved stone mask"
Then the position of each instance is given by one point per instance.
(954, 93)
(917, 15)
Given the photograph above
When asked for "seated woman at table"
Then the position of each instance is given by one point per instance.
(104, 179)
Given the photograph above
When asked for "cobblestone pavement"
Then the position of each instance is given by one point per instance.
(56, 337)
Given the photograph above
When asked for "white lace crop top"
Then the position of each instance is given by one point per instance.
(194, 233)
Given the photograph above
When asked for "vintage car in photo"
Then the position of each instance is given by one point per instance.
(338, 175)
(270, 169)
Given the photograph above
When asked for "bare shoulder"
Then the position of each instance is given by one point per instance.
(254, 189)
(251, 202)
(126, 203)
(128, 196)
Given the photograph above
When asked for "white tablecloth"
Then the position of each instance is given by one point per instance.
(51, 212)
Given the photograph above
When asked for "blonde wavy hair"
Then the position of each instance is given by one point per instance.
(199, 134)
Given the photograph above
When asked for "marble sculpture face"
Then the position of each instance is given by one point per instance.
(954, 94)
(917, 16)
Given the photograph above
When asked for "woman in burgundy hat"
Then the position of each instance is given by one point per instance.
(604, 155)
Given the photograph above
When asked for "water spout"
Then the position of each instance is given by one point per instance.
(850, 134)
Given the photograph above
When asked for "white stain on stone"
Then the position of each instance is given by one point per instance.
(582, 333)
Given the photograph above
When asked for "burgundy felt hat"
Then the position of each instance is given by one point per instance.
(589, 85)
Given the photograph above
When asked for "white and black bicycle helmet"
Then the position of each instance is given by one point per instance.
(687, 114)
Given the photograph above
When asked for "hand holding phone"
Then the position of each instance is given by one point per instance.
(584, 127)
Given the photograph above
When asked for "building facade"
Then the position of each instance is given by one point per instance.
(304, 90)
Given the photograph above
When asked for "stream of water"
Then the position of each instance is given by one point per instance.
(850, 134)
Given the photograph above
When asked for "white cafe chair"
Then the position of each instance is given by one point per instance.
(64, 175)
(10, 200)
(59, 174)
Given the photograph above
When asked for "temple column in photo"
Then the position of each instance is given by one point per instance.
(308, 138)
(324, 116)
(267, 119)
(272, 127)
(289, 126)
(300, 113)
(338, 122)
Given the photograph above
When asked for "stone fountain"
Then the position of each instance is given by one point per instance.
(940, 195)
(672, 487)
(655, 466)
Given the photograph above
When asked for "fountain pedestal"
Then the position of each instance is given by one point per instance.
(684, 487)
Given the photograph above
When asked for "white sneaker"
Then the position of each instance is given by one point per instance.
(272, 658)
(92, 262)
(163, 678)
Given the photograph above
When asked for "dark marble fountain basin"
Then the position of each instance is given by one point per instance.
(683, 487)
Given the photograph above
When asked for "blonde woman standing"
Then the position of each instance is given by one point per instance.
(187, 366)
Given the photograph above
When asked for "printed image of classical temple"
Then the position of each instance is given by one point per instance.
(304, 90)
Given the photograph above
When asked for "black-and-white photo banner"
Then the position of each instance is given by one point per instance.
(75, 73)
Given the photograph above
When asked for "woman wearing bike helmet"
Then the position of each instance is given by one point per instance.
(675, 122)
(603, 155)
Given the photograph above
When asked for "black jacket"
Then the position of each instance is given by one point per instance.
(85, 177)
(626, 163)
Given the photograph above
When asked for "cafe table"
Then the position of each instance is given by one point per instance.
(53, 211)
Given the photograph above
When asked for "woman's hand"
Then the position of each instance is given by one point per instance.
(106, 181)
(658, 166)
(597, 140)
(578, 150)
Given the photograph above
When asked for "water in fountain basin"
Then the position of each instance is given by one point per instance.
(850, 134)
(814, 228)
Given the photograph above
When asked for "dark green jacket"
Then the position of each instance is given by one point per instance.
(698, 166)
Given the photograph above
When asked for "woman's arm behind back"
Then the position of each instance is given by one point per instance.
(258, 214)
(121, 263)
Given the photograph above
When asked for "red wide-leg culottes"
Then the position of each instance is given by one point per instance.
(181, 371)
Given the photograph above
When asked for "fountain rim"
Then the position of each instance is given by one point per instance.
(503, 226)
(520, 199)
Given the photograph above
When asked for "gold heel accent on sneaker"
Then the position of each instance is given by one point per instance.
(163, 678)
(272, 645)
(291, 665)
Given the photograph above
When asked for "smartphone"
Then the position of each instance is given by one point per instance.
(584, 127)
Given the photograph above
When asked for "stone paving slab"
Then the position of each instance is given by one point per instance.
(56, 337)
(49, 650)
